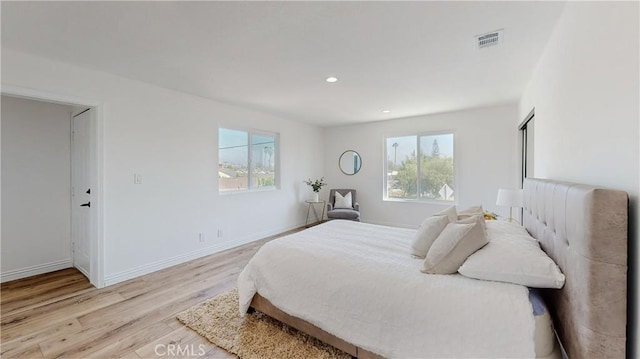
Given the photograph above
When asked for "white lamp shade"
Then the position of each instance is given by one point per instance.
(509, 197)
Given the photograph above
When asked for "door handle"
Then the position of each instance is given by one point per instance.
(88, 204)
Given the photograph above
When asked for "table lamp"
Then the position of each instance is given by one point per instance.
(511, 198)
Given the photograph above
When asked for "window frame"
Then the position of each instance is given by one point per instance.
(276, 158)
(418, 135)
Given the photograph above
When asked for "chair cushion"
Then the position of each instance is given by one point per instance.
(344, 214)
(343, 201)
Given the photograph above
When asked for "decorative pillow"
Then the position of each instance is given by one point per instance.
(452, 247)
(478, 218)
(471, 211)
(429, 230)
(343, 202)
(450, 212)
(514, 259)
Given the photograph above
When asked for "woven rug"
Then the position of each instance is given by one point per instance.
(253, 336)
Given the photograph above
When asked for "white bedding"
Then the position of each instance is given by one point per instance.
(359, 282)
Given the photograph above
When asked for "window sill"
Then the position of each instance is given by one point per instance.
(251, 190)
(420, 201)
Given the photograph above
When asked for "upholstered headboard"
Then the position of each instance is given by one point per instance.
(584, 229)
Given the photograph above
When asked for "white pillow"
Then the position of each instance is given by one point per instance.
(471, 211)
(514, 259)
(452, 247)
(429, 230)
(500, 228)
(343, 202)
(450, 212)
(479, 218)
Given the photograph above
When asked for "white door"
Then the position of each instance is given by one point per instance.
(80, 192)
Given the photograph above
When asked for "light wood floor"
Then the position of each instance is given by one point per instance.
(60, 314)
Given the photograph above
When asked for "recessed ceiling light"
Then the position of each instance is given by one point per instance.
(386, 111)
(331, 79)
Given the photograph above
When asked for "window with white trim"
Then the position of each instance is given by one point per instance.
(247, 160)
(420, 167)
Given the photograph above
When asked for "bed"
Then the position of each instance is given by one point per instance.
(353, 286)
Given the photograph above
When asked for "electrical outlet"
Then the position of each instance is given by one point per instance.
(137, 178)
(201, 237)
(219, 233)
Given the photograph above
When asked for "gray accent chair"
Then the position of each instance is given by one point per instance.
(351, 214)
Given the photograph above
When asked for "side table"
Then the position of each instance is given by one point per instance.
(312, 204)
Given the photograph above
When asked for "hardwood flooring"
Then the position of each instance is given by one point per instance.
(60, 314)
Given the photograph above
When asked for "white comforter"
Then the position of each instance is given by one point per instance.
(359, 282)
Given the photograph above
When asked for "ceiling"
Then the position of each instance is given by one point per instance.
(408, 57)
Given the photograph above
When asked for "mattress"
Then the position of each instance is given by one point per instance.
(543, 335)
(359, 282)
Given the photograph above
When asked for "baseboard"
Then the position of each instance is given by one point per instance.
(198, 253)
(35, 270)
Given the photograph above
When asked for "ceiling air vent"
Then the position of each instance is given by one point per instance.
(489, 39)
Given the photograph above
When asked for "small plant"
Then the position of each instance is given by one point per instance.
(317, 184)
(490, 216)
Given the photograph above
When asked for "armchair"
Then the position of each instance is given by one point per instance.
(352, 214)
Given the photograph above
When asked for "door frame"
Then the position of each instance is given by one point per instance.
(524, 149)
(96, 168)
(523, 142)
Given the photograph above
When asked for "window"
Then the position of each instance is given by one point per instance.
(247, 160)
(420, 167)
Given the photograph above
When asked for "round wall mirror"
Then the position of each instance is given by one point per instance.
(350, 162)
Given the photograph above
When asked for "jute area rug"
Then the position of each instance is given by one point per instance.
(253, 336)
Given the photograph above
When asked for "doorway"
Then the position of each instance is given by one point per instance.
(87, 250)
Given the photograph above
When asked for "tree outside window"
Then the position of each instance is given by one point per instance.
(420, 167)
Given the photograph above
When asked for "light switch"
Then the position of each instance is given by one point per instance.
(137, 178)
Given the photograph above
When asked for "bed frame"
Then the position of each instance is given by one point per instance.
(261, 304)
(584, 229)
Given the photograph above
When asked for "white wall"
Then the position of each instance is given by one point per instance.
(36, 210)
(586, 95)
(485, 153)
(171, 139)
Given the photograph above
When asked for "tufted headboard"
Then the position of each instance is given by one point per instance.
(584, 229)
